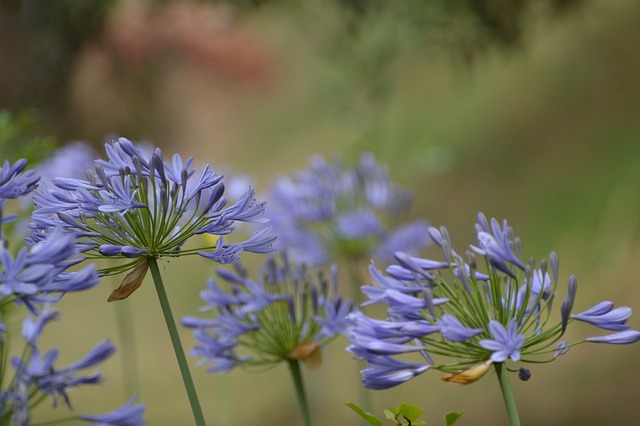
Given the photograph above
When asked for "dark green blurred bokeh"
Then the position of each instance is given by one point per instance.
(528, 111)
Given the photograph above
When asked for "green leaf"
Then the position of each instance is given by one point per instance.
(451, 418)
(391, 413)
(410, 412)
(370, 418)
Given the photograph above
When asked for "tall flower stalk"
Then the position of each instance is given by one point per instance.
(463, 315)
(286, 316)
(296, 376)
(329, 212)
(141, 209)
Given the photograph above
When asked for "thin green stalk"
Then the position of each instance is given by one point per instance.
(357, 280)
(65, 420)
(354, 266)
(224, 400)
(296, 375)
(509, 400)
(129, 354)
(177, 345)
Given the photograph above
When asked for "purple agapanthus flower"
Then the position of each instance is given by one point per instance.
(288, 314)
(139, 206)
(37, 374)
(15, 182)
(40, 371)
(506, 342)
(447, 309)
(39, 274)
(328, 212)
(497, 245)
(36, 277)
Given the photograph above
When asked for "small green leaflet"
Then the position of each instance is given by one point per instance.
(373, 420)
(405, 415)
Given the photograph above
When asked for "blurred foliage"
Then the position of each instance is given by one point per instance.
(20, 137)
(497, 21)
(39, 41)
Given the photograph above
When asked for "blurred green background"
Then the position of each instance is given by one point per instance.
(523, 110)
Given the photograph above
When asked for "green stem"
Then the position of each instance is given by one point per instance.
(177, 345)
(509, 400)
(296, 375)
(128, 353)
(224, 401)
(355, 268)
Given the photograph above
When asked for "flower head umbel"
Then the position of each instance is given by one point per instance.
(287, 315)
(135, 206)
(36, 277)
(38, 274)
(37, 376)
(328, 212)
(463, 322)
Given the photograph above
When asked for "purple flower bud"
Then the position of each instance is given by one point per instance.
(555, 265)
(452, 329)
(132, 252)
(126, 415)
(109, 250)
(621, 338)
(436, 236)
(482, 221)
(384, 372)
(604, 316)
(158, 166)
(524, 374)
(567, 303)
(561, 348)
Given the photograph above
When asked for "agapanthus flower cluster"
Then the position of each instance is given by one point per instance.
(37, 376)
(37, 277)
(38, 274)
(288, 314)
(15, 182)
(328, 212)
(135, 206)
(460, 315)
(69, 161)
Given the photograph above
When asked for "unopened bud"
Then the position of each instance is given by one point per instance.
(470, 375)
